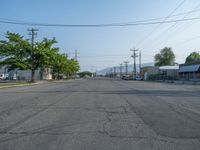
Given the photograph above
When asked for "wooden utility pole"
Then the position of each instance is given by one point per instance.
(120, 70)
(126, 65)
(140, 65)
(33, 33)
(76, 55)
(134, 64)
(114, 72)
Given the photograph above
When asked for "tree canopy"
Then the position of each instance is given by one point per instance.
(193, 57)
(85, 73)
(17, 53)
(165, 57)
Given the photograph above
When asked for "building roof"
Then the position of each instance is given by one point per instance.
(149, 67)
(191, 68)
(169, 68)
(189, 64)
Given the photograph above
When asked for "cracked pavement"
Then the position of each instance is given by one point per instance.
(100, 114)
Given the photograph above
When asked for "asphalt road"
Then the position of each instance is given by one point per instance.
(100, 114)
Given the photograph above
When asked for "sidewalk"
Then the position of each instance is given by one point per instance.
(7, 84)
(180, 82)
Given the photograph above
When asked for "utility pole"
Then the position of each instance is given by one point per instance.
(126, 65)
(120, 70)
(76, 55)
(134, 64)
(140, 62)
(65, 54)
(111, 72)
(114, 72)
(33, 33)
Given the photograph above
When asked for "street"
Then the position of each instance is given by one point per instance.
(100, 114)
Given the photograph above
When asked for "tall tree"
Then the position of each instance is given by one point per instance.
(85, 73)
(16, 53)
(59, 65)
(73, 67)
(43, 54)
(193, 57)
(165, 57)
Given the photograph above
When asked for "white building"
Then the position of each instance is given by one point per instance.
(25, 74)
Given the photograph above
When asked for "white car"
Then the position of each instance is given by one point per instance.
(2, 77)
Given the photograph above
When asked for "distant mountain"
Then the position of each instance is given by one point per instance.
(130, 68)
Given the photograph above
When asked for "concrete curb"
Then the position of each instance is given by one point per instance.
(31, 84)
(177, 82)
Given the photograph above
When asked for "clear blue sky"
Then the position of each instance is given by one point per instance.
(103, 47)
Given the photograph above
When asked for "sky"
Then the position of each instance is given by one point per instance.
(99, 48)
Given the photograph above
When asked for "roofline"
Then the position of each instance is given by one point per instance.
(189, 64)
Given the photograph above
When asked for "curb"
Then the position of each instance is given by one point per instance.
(37, 83)
(19, 85)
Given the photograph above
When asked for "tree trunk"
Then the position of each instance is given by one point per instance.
(41, 73)
(33, 75)
(58, 77)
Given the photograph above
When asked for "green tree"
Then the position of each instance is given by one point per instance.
(73, 67)
(193, 57)
(85, 73)
(59, 65)
(43, 54)
(16, 53)
(165, 57)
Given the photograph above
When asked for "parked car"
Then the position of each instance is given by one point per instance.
(138, 78)
(124, 77)
(127, 77)
(2, 77)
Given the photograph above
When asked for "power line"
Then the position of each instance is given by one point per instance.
(168, 29)
(99, 25)
(188, 40)
(144, 20)
(76, 55)
(2, 35)
(164, 20)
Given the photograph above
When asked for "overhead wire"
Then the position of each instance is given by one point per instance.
(173, 25)
(156, 28)
(99, 25)
(188, 40)
(2, 34)
(137, 21)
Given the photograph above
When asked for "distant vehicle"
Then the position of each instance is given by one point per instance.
(127, 77)
(138, 78)
(124, 77)
(2, 77)
(14, 77)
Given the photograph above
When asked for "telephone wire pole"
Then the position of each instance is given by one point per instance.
(126, 65)
(134, 64)
(33, 33)
(140, 65)
(120, 70)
